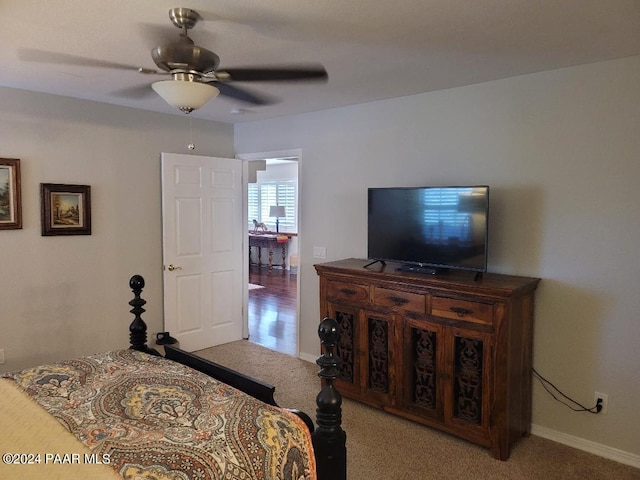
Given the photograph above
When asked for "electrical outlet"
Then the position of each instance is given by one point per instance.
(1, 356)
(319, 252)
(605, 401)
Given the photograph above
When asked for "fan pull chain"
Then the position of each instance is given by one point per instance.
(191, 145)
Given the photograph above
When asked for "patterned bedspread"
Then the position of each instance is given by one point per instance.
(157, 419)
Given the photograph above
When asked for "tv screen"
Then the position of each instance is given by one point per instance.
(440, 227)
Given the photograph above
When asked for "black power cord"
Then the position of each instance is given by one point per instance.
(548, 386)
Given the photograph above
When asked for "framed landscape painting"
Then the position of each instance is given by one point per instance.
(10, 200)
(65, 209)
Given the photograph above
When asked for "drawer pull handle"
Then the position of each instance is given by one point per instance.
(461, 312)
(398, 300)
(347, 291)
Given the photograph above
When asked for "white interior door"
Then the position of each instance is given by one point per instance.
(203, 245)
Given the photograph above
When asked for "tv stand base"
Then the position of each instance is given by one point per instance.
(421, 269)
(382, 262)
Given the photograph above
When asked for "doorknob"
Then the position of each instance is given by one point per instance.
(173, 267)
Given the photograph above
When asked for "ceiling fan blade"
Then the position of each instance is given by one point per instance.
(33, 55)
(135, 92)
(154, 34)
(244, 95)
(271, 74)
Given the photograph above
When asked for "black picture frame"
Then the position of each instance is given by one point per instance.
(10, 194)
(65, 209)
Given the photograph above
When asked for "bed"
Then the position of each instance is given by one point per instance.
(136, 414)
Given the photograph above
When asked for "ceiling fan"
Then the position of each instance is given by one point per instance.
(195, 74)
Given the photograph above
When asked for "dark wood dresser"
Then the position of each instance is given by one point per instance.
(451, 351)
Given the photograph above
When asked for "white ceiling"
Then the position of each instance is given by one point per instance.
(372, 49)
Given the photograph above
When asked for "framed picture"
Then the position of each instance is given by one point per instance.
(10, 200)
(65, 209)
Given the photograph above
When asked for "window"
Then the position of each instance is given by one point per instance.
(264, 195)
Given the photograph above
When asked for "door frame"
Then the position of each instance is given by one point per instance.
(293, 154)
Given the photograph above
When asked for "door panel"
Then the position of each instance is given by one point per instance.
(188, 228)
(188, 288)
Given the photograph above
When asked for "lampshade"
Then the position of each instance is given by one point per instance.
(185, 95)
(277, 211)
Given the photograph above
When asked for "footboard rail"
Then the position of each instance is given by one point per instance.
(249, 385)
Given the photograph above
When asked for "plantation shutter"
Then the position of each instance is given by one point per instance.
(253, 204)
(264, 195)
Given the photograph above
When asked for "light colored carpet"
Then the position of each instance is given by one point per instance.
(381, 446)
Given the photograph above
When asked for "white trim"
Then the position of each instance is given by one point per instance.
(295, 153)
(307, 357)
(587, 446)
(245, 249)
(598, 449)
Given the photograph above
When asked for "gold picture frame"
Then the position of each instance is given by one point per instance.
(65, 209)
(10, 195)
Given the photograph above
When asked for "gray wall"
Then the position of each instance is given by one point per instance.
(66, 296)
(561, 152)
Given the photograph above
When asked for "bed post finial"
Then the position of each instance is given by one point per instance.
(138, 329)
(329, 440)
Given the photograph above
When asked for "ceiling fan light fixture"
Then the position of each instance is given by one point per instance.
(186, 96)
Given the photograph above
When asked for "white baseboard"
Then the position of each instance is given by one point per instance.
(587, 446)
(604, 451)
(308, 357)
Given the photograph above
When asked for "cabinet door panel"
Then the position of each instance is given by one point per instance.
(423, 385)
(469, 405)
(347, 349)
(379, 373)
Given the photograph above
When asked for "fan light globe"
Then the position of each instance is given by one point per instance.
(185, 95)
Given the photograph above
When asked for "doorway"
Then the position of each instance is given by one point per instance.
(272, 303)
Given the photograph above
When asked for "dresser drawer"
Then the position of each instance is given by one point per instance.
(347, 292)
(410, 302)
(468, 311)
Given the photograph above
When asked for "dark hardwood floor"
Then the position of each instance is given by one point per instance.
(273, 309)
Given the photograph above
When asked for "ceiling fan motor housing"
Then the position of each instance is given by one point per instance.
(184, 17)
(184, 56)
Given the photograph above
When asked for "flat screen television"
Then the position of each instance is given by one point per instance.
(429, 229)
